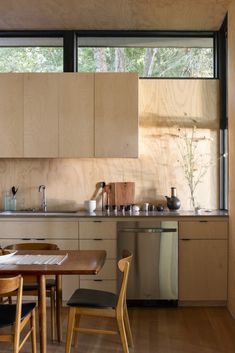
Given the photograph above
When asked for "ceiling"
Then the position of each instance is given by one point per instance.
(112, 14)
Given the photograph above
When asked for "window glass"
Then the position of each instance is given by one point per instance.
(31, 55)
(149, 57)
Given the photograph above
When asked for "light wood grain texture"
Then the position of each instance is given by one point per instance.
(203, 230)
(63, 233)
(41, 115)
(203, 269)
(161, 15)
(76, 115)
(179, 102)
(50, 292)
(154, 172)
(119, 313)
(100, 235)
(231, 139)
(165, 330)
(12, 285)
(77, 262)
(94, 230)
(122, 193)
(53, 229)
(11, 115)
(116, 115)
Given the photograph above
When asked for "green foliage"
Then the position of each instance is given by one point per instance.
(160, 62)
(31, 59)
(167, 62)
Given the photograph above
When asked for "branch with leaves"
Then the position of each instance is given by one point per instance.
(195, 164)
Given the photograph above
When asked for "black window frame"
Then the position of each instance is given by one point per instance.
(70, 38)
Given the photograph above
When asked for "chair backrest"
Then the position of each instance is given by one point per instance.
(9, 284)
(32, 246)
(124, 267)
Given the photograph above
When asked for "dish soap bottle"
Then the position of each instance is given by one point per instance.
(173, 203)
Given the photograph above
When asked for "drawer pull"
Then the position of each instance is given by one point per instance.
(97, 221)
(97, 239)
(26, 239)
(98, 280)
(40, 238)
(185, 239)
(203, 221)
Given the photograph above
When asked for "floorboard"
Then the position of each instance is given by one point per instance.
(160, 330)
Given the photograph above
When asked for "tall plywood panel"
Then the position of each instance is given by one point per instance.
(76, 115)
(116, 115)
(41, 115)
(11, 115)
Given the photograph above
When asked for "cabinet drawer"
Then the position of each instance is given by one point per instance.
(203, 230)
(39, 229)
(106, 285)
(109, 271)
(102, 244)
(97, 229)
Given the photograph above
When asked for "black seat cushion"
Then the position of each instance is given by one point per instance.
(34, 286)
(93, 298)
(8, 312)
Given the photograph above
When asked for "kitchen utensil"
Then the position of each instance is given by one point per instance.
(173, 203)
(90, 205)
(14, 190)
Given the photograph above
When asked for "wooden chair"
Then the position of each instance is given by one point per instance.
(98, 303)
(53, 285)
(17, 314)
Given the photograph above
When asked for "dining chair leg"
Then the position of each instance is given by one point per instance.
(122, 332)
(16, 343)
(70, 327)
(128, 328)
(58, 306)
(33, 334)
(75, 335)
(52, 299)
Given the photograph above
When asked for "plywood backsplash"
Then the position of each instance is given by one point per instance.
(165, 105)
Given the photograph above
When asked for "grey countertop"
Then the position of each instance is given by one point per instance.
(100, 214)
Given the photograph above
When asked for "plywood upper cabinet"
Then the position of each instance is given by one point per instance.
(11, 115)
(41, 115)
(116, 115)
(76, 115)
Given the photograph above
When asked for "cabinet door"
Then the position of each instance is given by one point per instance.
(41, 115)
(203, 270)
(116, 115)
(11, 115)
(76, 115)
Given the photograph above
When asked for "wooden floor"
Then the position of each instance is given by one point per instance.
(160, 330)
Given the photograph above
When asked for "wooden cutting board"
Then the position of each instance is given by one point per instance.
(122, 193)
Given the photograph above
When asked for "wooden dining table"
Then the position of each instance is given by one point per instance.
(77, 262)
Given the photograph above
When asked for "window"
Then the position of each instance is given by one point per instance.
(163, 57)
(31, 54)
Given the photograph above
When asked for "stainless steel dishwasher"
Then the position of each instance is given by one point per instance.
(153, 278)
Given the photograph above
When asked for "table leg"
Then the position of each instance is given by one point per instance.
(58, 306)
(42, 313)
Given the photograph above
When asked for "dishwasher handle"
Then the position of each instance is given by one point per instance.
(148, 230)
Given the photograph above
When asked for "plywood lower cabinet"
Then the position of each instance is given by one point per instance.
(203, 261)
(64, 233)
(100, 235)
